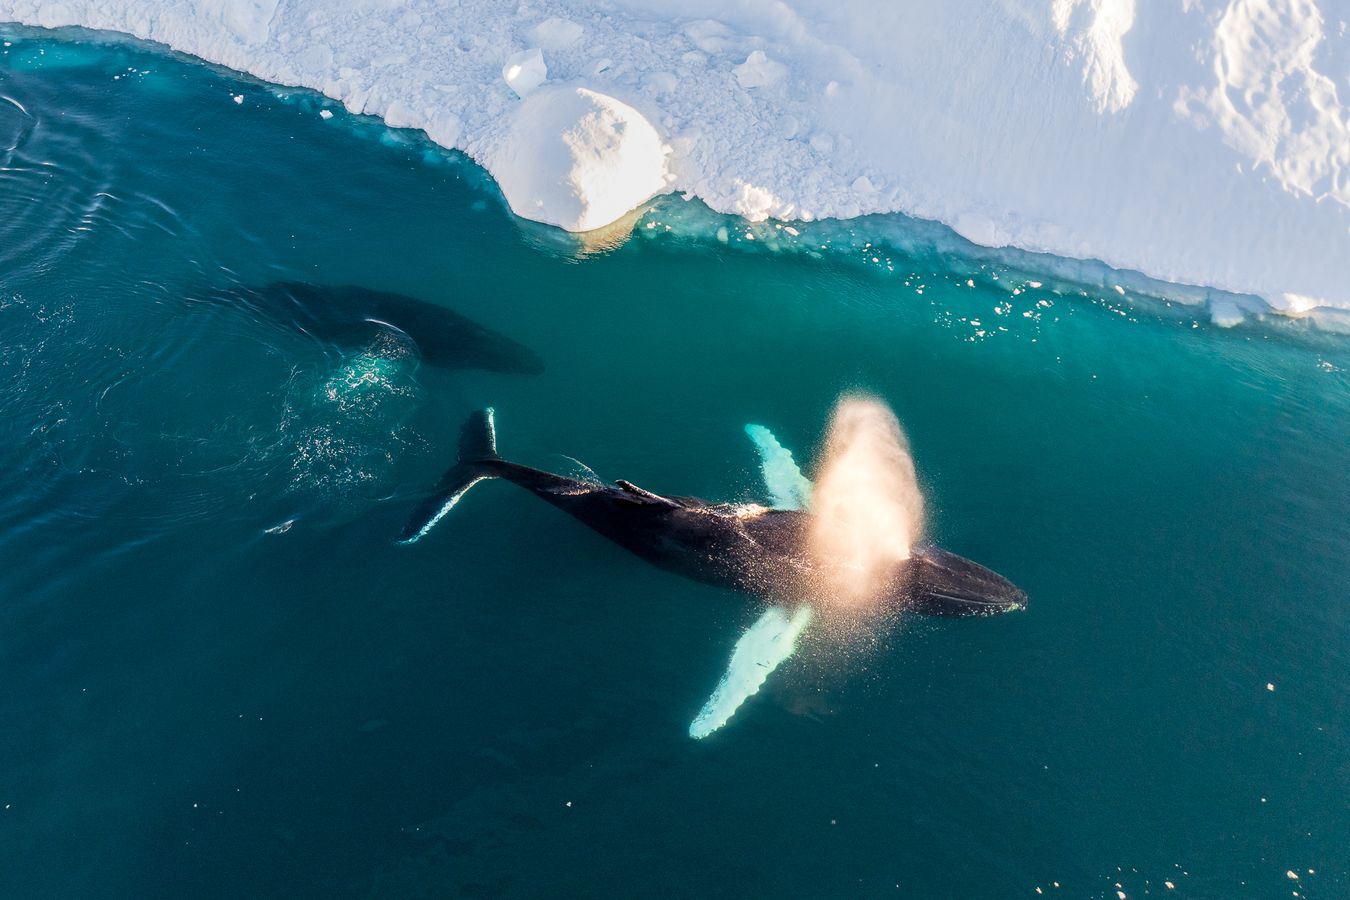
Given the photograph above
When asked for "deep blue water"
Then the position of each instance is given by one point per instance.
(219, 677)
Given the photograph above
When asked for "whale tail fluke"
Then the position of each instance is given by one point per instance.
(478, 437)
(477, 453)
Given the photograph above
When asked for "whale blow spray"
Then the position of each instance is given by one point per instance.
(867, 507)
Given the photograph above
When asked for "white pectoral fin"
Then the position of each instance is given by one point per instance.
(788, 487)
(765, 645)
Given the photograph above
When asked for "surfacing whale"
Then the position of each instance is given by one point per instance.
(745, 547)
(349, 316)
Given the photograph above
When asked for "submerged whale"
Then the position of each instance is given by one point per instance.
(744, 547)
(349, 316)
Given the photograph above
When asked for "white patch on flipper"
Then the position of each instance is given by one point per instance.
(765, 645)
(449, 505)
(788, 487)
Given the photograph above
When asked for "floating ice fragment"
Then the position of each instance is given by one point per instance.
(238, 98)
(525, 71)
(325, 114)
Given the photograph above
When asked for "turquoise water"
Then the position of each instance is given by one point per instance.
(219, 677)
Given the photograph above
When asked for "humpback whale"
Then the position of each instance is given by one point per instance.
(348, 316)
(746, 547)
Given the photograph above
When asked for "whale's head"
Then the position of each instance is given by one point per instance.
(938, 583)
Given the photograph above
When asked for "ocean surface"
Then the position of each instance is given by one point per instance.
(220, 677)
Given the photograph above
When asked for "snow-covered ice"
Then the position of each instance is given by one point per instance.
(576, 158)
(1205, 142)
(525, 71)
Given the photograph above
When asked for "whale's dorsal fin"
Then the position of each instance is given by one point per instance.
(642, 494)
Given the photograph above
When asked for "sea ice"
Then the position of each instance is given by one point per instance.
(1205, 142)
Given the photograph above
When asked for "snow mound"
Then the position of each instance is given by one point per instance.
(577, 159)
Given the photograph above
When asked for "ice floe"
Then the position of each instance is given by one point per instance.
(1204, 142)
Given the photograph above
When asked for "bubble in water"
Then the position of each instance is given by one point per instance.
(350, 427)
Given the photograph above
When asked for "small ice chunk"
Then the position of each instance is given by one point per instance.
(238, 98)
(1270, 685)
(1225, 313)
(525, 71)
(1291, 875)
(1294, 304)
(758, 71)
(709, 36)
(325, 114)
(662, 82)
(555, 33)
